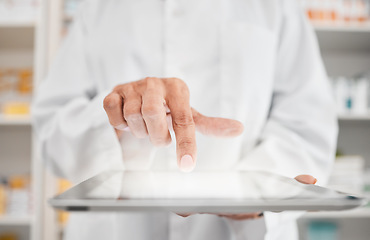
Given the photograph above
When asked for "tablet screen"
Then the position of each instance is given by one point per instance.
(233, 185)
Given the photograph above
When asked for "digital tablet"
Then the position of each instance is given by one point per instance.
(200, 192)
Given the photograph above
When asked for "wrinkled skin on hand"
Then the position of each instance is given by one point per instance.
(153, 106)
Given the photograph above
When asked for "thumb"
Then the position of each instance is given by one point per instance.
(219, 127)
(306, 179)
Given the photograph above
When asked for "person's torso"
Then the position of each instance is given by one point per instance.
(224, 50)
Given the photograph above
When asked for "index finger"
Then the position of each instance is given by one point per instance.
(177, 98)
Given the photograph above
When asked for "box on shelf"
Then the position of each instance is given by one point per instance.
(15, 196)
(352, 95)
(2, 197)
(18, 203)
(15, 91)
(349, 11)
(322, 230)
(8, 236)
(348, 174)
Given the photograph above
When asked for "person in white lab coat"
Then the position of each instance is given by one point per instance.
(255, 61)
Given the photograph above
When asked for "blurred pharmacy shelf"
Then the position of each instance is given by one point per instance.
(14, 120)
(345, 44)
(356, 213)
(354, 117)
(15, 221)
(352, 39)
(343, 32)
(21, 48)
(342, 27)
(16, 24)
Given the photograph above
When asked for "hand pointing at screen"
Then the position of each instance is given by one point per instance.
(152, 106)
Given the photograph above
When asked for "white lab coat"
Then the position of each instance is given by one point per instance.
(256, 61)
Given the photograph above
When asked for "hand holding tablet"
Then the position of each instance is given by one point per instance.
(305, 179)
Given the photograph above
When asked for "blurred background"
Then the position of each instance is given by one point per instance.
(30, 33)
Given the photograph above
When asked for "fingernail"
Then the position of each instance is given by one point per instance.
(315, 181)
(187, 163)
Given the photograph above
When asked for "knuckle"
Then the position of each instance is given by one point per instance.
(138, 86)
(111, 101)
(133, 116)
(186, 142)
(151, 80)
(148, 79)
(121, 87)
(152, 110)
(178, 87)
(125, 90)
(175, 82)
(117, 88)
(183, 120)
(132, 112)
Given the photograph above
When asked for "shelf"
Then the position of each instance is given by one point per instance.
(15, 221)
(354, 117)
(342, 27)
(17, 24)
(15, 120)
(356, 213)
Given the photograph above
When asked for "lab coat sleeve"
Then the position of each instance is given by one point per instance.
(75, 137)
(299, 136)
